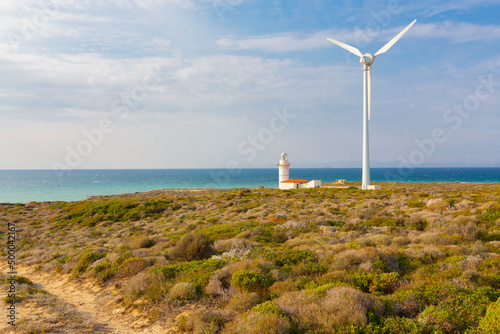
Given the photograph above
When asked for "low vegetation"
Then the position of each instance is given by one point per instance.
(410, 258)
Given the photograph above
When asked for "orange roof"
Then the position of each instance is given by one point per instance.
(295, 181)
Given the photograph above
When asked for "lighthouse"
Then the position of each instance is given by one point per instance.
(284, 167)
(287, 183)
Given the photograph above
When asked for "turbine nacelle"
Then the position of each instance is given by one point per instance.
(367, 59)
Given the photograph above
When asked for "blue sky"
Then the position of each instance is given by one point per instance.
(231, 83)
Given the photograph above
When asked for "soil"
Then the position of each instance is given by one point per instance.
(91, 300)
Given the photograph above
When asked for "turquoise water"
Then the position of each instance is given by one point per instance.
(24, 186)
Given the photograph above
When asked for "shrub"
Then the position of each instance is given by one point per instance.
(416, 223)
(141, 242)
(132, 267)
(220, 283)
(243, 302)
(85, 261)
(105, 270)
(192, 246)
(492, 214)
(23, 280)
(342, 306)
(13, 299)
(290, 257)
(89, 213)
(201, 321)
(471, 232)
(490, 324)
(196, 272)
(348, 306)
(251, 281)
(375, 282)
(384, 221)
(281, 287)
(257, 323)
(151, 285)
(184, 291)
(458, 312)
(400, 325)
(268, 307)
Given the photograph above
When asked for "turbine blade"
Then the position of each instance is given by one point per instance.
(349, 48)
(394, 40)
(369, 92)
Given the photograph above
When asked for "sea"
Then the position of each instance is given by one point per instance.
(24, 186)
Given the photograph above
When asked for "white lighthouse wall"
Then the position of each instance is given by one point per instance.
(284, 173)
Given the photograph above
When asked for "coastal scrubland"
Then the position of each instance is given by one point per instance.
(410, 258)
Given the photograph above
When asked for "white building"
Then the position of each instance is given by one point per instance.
(284, 177)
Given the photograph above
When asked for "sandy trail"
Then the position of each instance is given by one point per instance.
(90, 300)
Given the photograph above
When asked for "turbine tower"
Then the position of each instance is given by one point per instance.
(367, 61)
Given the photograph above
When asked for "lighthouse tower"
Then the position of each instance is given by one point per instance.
(284, 167)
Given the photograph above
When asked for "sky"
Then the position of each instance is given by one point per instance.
(232, 83)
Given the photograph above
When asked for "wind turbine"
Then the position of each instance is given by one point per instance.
(367, 61)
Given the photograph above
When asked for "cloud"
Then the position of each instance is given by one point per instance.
(275, 43)
(434, 8)
(457, 32)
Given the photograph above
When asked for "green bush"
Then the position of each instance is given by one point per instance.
(492, 214)
(10, 300)
(115, 210)
(459, 312)
(196, 272)
(375, 282)
(290, 257)
(192, 246)
(490, 324)
(384, 221)
(391, 325)
(416, 203)
(102, 267)
(251, 281)
(268, 307)
(22, 280)
(226, 230)
(85, 261)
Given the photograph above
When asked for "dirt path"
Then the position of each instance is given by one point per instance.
(90, 300)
